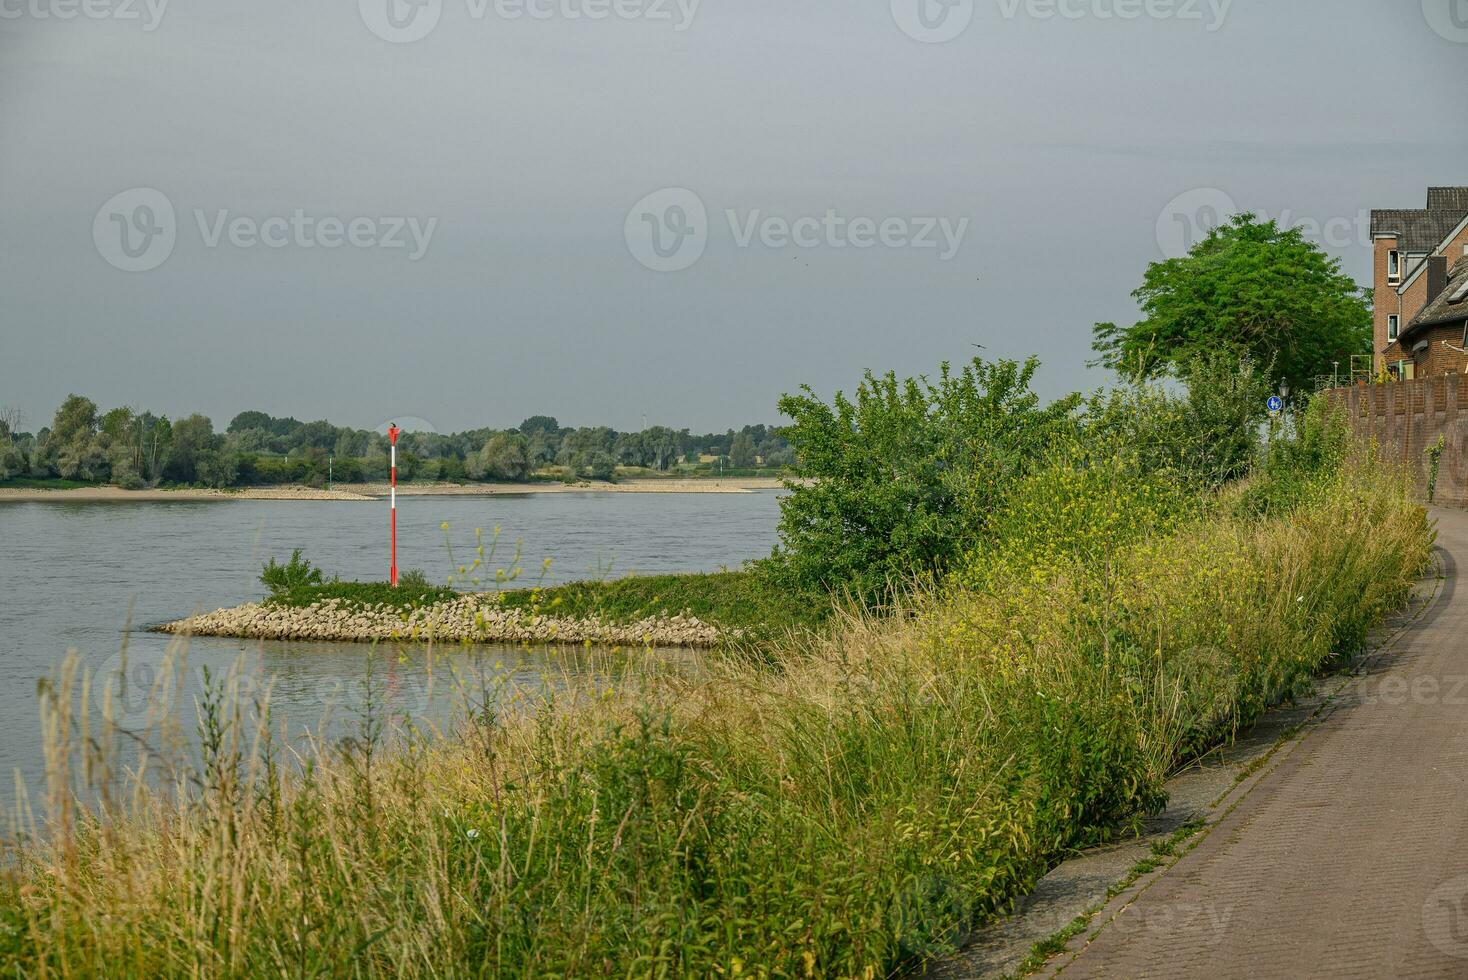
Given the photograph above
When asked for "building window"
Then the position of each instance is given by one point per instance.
(1394, 267)
(1393, 323)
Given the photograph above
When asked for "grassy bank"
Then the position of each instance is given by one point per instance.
(739, 600)
(735, 600)
(849, 813)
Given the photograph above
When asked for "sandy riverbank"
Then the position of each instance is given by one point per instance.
(376, 491)
(477, 618)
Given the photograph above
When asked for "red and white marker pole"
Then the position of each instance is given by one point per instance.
(392, 434)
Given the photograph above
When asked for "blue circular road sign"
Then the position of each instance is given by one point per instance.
(1276, 404)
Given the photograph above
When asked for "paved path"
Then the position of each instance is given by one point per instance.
(1347, 856)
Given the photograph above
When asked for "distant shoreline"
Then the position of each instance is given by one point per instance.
(378, 491)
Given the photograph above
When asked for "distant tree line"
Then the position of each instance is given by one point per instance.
(137, 449)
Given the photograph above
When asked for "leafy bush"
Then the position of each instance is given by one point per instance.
(275, 470)
(903, 479)
(1204, 437)
(216, 469)
(298, 573)
(414, 579)
(595, 465)
(12, 462)
(1297, 469)
(503, 457)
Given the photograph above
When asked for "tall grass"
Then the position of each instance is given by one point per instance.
(846, 814)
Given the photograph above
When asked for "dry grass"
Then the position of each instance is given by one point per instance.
(844, 814)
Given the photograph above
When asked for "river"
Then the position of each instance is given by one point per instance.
(71, 574)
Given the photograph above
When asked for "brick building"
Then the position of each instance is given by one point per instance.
(1420, 281)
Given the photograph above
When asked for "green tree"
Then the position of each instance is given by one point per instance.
(742, 452)
(504, 457)
(542, 447)
(250, 420)
(76, 416)
(119, 432)
(13, 462)
(589, 452)
(215, 468)
(83, 458)
(663, 446)
(316, 435)
(191, 437)
(155, 439)
(598, 465)
(375, 465)
(352, 442)
(11, 419)
(71, 448)
(904, 477)
(117, 424)
(250, 440)
(631, 449)
(1249, 288)
(780, 458)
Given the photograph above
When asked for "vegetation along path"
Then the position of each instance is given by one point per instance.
(1347, 856)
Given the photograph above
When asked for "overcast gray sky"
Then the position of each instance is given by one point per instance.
(1060, 144)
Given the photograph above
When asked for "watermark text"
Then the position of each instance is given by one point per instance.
(148, 13)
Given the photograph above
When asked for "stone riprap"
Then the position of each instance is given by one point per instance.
(477, 618)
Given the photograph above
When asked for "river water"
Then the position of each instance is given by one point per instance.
(71, 575)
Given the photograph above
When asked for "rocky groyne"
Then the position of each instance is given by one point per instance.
(476, 618)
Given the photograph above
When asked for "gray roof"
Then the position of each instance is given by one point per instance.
(1447, 198)
(1419, 230)
(1442, 309)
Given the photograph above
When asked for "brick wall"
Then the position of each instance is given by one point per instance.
(1405, 419)
(1444, 354)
